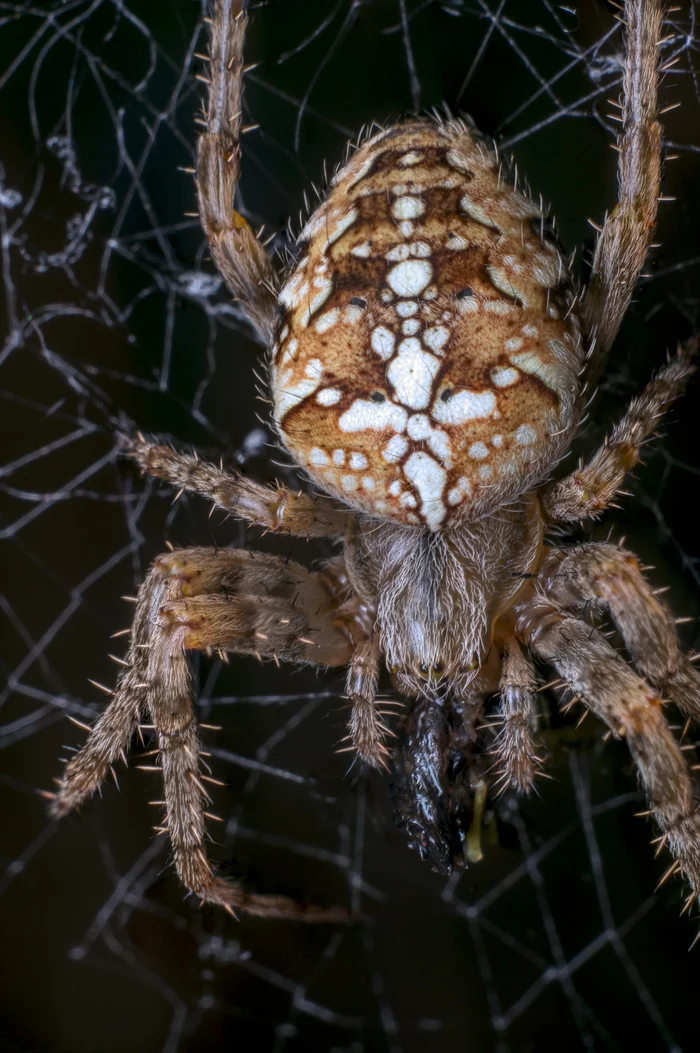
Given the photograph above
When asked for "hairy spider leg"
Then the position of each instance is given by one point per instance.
(239, 256)
(517, 761)
(205, 599)
(632, 709)
(610, 576)
(590, 489)
(624, 241)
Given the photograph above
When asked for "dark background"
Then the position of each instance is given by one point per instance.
(111, 316)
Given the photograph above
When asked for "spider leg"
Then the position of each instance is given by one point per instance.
(111, 734)
(367, 730)
(242, 261)
(631, 708)
(275, 508)
(586, 492)
(602, 574)
(192, 599)
(628, 230)
(517, 761)
(355, 619)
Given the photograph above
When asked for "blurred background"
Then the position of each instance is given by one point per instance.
(113, 316)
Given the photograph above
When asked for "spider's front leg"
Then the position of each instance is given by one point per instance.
(204, 599)
(627, 234)
(241, 259)
(275, 508)
(631, 708)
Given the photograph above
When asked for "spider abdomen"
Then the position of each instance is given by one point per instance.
(427, 358)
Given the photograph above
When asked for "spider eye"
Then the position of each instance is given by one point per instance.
(463, 293)
(357, 301)
(377, 396)
(429, 672)
(447, 394)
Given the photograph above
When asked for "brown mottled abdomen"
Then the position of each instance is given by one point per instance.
(426, 365)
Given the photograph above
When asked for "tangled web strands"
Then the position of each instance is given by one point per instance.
(114, 317)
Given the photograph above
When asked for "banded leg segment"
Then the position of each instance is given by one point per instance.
(206, 599)
(242, 261)
(610, 577)
(275, 508)
(627, 234)
(367, 730)
(588, 491)
(632, 709)
(110, 736)
(517, 761)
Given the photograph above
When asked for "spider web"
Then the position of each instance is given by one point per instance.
(113, 316)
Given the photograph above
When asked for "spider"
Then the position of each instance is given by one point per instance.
(431, 356)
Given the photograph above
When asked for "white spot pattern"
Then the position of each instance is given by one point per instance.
(383, 341)
(407, 208)
(411, 374)
(436, 337)
(413, 157)
(395, 449)
(460, 491)
(525, 435)
(327, 321)
(338, 227)
(503, 376)
(290, 394)
(464, 406)
(364, 414)
(329, 396)
(550, 373)
(323, 287)
(429, 479)
(410, 277)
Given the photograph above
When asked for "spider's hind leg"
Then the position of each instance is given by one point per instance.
(631, 708)
(609, 576)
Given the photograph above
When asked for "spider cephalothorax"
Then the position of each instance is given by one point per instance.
(430, 355)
